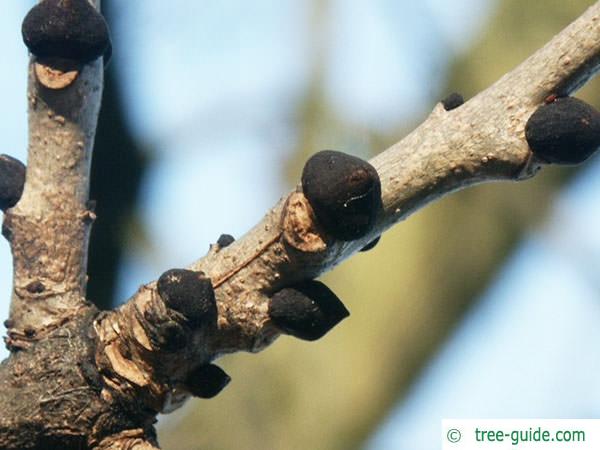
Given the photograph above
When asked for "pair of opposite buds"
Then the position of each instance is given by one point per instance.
(306, 310)
(345, 195)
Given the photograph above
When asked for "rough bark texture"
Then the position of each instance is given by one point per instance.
(77, 378)
(49, 227)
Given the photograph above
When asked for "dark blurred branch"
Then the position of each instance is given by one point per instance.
(117, 169)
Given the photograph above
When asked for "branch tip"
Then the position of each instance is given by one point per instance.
(565, 131)
(68, 29)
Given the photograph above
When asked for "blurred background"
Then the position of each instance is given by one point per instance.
(483, 305)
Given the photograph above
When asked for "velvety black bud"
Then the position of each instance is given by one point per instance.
(344, 191)
(69, 29)
(12, 181)
(190, 293)
(566, 131)
(307, 310)
(453, 101)
(371, 245)
(225, 240)
(207, 381)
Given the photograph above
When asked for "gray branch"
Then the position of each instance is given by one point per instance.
(49, 228)
(480, 141)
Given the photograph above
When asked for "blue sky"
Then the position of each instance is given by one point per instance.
(212, 88)
(528, 349)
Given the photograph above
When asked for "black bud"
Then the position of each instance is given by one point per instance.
(225, 240)
(307, 310)
(171, 337)
(69, 29)
(35, 287)
(371, 245)
(453, 101)
(12, 181)
(344, 192)
(566, 131)
(207, 381)
(190, 293)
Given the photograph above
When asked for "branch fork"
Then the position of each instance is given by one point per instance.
(106, 375)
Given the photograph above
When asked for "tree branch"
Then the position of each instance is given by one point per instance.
(49, 228)
(80, 378)
(482, 140)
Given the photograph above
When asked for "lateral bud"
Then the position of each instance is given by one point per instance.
(12, 181)
(307, 310)
(207, 381)
(190, 293)
(452, 101)
(225, 240)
